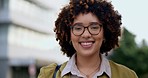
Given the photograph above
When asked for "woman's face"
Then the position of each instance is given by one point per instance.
(86, 44)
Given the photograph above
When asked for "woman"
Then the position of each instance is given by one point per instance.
(86, 29)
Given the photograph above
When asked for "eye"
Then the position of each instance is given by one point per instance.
(77, 28)
(94, 27)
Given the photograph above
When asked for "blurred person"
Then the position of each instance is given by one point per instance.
(87, 29)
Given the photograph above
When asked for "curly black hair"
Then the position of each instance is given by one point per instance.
(104, 11)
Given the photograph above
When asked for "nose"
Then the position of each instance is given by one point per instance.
(86, 33)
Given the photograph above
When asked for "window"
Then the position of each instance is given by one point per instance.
(1, 4)
(20, 72)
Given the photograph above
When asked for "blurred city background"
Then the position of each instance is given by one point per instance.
(27, 40)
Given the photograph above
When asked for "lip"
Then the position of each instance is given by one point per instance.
(86, 44)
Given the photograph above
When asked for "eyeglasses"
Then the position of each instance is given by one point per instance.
(78, 29)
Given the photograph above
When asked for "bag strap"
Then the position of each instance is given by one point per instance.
(55, 72)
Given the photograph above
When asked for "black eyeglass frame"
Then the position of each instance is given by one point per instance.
(72, 26)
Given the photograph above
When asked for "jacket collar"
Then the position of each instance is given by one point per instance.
(70, 67)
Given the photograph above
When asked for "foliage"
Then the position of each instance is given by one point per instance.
(132, 55)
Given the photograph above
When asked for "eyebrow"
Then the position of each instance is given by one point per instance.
(79, 23)
(94, 23)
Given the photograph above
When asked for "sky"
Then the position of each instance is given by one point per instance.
(134, 15)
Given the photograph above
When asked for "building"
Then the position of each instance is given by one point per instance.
(27, 40)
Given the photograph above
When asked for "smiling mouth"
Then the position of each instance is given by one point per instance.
(87, 44)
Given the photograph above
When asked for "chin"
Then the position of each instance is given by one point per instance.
(86, 53)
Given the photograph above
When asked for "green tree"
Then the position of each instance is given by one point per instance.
(142, 54)
(132, 55)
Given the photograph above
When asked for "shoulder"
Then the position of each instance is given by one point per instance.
(48, 71)
(121, 71)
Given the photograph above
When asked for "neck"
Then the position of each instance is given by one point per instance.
(89, 61)
(88, 66)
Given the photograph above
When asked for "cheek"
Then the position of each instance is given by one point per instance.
(74, 40)
(100, 38)
(99, 41)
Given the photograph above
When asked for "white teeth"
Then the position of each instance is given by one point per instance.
(86, 43)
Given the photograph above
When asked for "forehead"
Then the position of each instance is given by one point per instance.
(86, 18)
